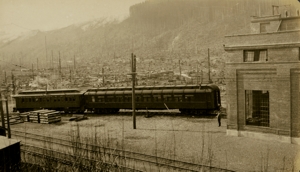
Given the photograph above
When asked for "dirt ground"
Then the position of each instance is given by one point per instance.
(187, 138)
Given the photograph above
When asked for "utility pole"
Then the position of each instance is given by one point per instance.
(133, 70)
(70, 75)
(59, 64)
(46, 51)
(2, 114)
(197, 75)
(209, 80)
(7, 118)
(52, 60)
(32, 72)
(103, 77)
(5, 77)
(37, 63)
(201, 76)
(74, 63)
(13, 83)
(179, 71)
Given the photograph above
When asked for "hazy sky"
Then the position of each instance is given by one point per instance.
(52, 14)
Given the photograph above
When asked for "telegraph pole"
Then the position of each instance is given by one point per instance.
(13, 83)
(5, 77)
(74, 63)
(179, 71)
(59, 64)
(209, 80)
(32, 72)
(103, 77)
(2, 114)
(46, 52)
(52, 60)
(133, 70)
(197, 75)
(7, 118)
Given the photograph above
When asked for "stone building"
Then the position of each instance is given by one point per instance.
(263, 79)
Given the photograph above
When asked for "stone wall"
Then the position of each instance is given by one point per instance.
(280, 76)
(295, 100)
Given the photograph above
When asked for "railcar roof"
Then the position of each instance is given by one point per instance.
(203, 86)
(50, 91)
(165, 91)
(60, 92)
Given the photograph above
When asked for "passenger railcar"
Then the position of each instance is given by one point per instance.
(188, 99)
(68, 100)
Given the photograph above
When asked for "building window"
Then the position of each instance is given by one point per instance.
(263, 27)
(257, 108)
(255, 55)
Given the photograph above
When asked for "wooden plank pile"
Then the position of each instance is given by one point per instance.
(43, 116)
(13, 120)
(25, 116)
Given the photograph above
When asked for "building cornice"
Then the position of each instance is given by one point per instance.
(261, 46)
(266, 33)
(263, 63)
(272, 18)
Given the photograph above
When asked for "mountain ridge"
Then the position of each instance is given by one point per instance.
(154, 27)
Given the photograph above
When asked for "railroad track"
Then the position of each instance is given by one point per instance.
(141, 162)
(86, 164)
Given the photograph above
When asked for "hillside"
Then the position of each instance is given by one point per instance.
(159, 32)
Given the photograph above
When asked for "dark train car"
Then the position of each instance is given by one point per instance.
(188, 99)
(68, 100)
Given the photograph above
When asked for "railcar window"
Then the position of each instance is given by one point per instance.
(167, 98)
(138, 98)
(189, 98)
(100, 98)
(177, 98)
(22, 100)
(119, 99)
(110, 98)
(201, 97)
(147, 98)
(157, 98)
(93, 98)
(129, 99)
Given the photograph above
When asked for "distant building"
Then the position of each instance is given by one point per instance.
(263, 79)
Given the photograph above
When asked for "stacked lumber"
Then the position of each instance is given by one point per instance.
(13, 120)
(25, 116)
(44, 116)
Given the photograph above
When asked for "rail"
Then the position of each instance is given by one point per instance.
(107, 153)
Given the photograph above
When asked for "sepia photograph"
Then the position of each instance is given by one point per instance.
(150, 86)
